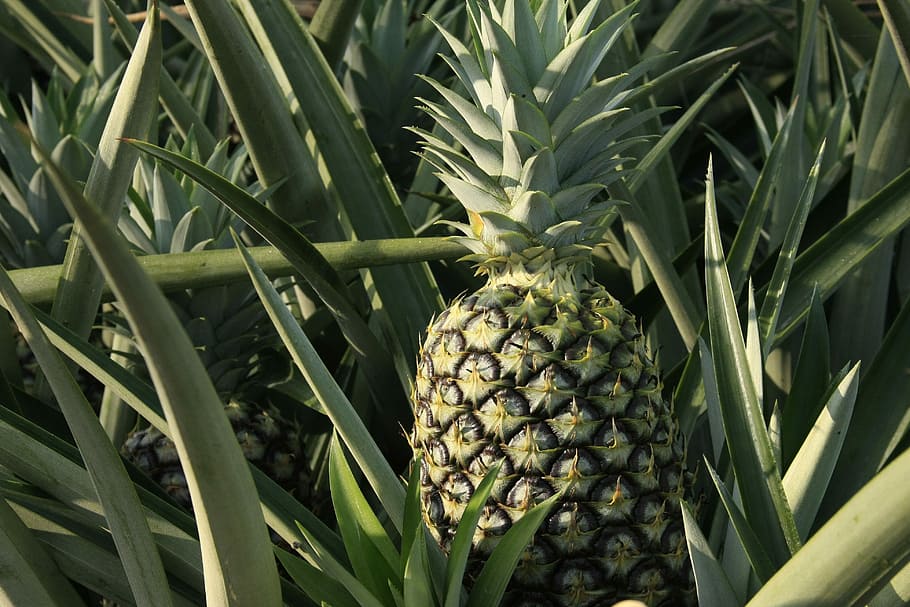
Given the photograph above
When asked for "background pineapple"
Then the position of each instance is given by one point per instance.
(229, 328)
(541, 367)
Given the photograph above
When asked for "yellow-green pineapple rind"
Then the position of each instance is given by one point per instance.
(562, 388)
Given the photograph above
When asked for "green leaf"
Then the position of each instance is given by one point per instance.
(809, 385)
(334, 402)
(28, 576)
(710, 580)
(896, 15)
(742, 251)
(64, 57)
(331, 27)
(807, 477)
(497, 571)
(771, 304)
(418, 586)
(681, 306)
(662, 147)
(235, 541)
(260, 108)
(135, 106)
(318, 586)
(833, 256)
(464, 536)
(354, 171)
(373, 556)
(757, 474)
(880, 419)
(896, 593)
(413, 518)
(871, 533)
(680, 30)
(330, 567)
(173, 100)
(128, 525)
(752, 547)
(860, 306)
(306, 260)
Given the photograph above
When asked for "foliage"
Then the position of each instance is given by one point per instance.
(776, 291)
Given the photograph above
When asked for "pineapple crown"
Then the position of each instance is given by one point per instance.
(536, 139)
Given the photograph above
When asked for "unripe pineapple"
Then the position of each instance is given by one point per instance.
(230, 329)
(541, 368)
(268, 441)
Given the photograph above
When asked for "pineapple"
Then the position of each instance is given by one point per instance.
(541, 368)
(229, 327)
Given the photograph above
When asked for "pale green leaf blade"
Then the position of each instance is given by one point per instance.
(181, 112)
(657, 152)
(235, 541)
(418, 587)
(464, 537)
(28, 576)
(317, 556)
(747, 436)
(354, 170)
(871, 532)
(861, 303)
(682, 308)
(758, 557)
(331, 27)
(114, 488)
(710, 580)
(896, 15)
(315, 583)
(374, 558)
(334, 402)
(833, 256)
(135, 106)
(64, 57)
(305, 258)
(742, 251)
(680, 30)
(277, 148)
(896, 593)
(771, 304)
(881, 416)
(807, 477)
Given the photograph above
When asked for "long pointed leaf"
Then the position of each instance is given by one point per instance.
(871, 532)
(807, 477)
(354, 169)
(305, 259)
(135, 105)
(348, 424)
(238, 564)
(115, 491)
(747, 437)
(494, 577)
(28, 576)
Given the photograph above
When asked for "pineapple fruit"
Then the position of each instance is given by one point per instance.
(541, 368)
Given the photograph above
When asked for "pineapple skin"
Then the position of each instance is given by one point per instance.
(555, 380)
(267, 440)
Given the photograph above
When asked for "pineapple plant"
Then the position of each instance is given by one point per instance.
(228, 327)
(798, 544)
(541, 368)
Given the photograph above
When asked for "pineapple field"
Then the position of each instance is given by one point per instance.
(455, 303)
